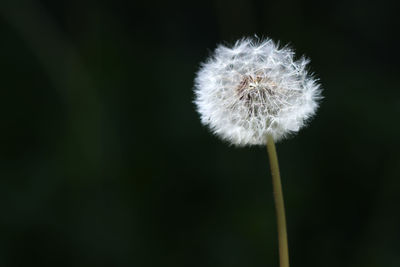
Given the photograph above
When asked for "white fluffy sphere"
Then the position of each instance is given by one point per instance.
(255, 89)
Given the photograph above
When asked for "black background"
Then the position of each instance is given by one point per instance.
(104, 162)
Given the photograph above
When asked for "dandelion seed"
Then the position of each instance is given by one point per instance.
(255, 89)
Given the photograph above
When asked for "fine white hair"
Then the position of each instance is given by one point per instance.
(254, 89)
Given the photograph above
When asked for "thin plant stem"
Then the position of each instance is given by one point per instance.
(279, 203)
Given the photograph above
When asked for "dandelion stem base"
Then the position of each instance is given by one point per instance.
(279, 203)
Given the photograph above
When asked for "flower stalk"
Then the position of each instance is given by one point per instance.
(279, 203)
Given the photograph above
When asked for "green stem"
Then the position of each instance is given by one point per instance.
(279, 203)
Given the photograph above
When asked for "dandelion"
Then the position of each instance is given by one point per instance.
(256, 93)
(253, 90)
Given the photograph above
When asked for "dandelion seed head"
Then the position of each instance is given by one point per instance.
(254, 89)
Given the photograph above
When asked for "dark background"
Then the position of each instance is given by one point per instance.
(104, 162)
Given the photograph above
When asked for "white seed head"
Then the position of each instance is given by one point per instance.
(255, 89)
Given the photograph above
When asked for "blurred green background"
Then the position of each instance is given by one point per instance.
(104, 162)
